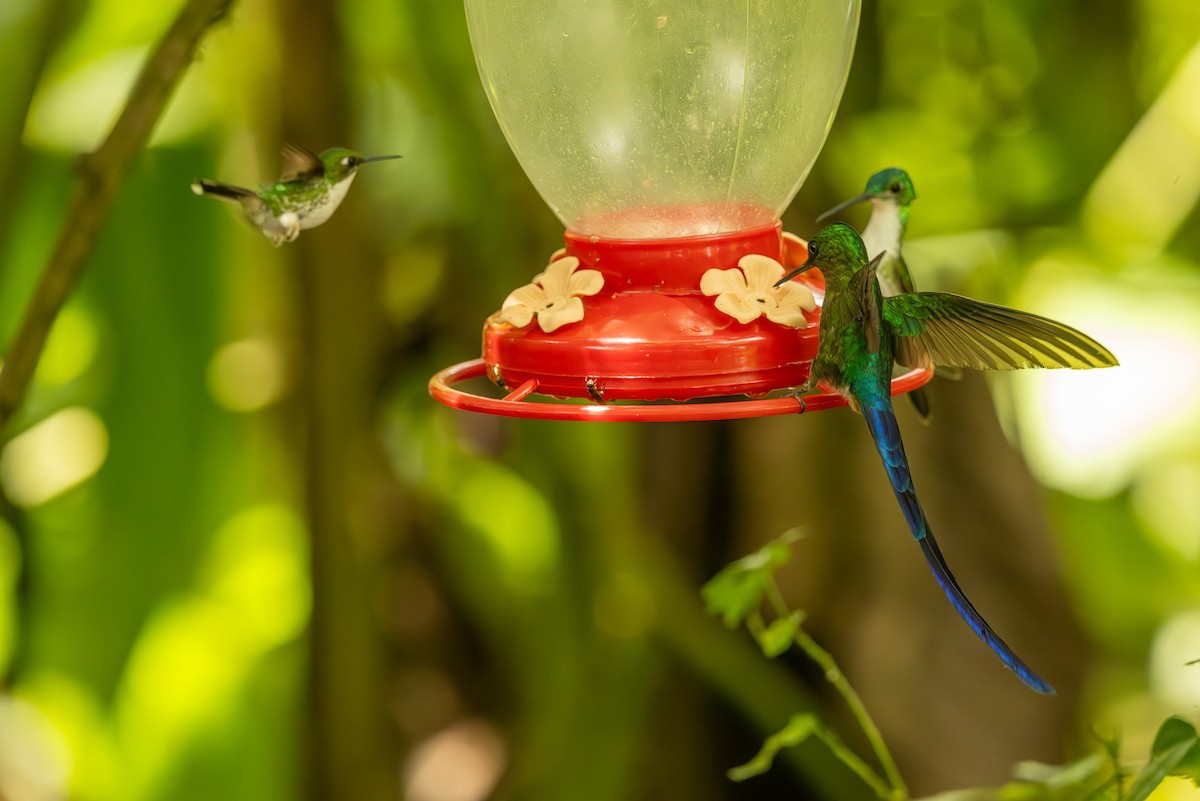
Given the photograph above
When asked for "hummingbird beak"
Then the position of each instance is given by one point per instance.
(808, 265)
(378, 158)
(845, 205)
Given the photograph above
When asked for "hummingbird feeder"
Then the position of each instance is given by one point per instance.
(668, 137)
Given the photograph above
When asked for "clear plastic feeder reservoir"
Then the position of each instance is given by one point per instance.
(668, 136)
(659, 119)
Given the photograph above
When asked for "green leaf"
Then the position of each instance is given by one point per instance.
(738, 588)
(1060, 776)
(732, 594)
(1036, 781)
(779, 636)
(1173, 733)
(1189, 766)
(1176, 751)
(797, 730)
(973, 794)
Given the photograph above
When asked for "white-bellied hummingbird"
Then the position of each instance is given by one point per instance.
(891, 193)
(306, 195)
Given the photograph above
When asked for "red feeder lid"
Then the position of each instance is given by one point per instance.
(651, 333)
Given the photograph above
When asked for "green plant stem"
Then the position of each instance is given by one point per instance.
(861, 769)
(834, 675)
(100, 176)
(756, 687)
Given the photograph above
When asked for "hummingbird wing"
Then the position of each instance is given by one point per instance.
(865, 286)
(300, 163)
(902, 279)
(919, 399)
(948, 330)
(903, 276)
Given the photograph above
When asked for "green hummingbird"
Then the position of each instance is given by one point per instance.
(891, 193)
(306, 195)
(863, 332)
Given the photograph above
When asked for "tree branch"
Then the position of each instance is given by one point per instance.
(51, 24)
(101, 173)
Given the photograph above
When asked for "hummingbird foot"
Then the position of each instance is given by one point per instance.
(798, 393)
(289, 221)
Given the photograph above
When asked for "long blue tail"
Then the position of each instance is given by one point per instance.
(882, 422)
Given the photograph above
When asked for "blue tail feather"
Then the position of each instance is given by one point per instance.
(886, 433)
(945, 578)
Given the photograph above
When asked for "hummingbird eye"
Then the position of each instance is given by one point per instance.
(813, 249)
(895, 188)
(348, 161)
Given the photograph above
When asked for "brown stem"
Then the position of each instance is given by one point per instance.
(100, 176)
(51, 23)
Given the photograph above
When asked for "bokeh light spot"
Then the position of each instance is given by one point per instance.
(461, 763)
(1166, 499)
(517, 523)
(53, 456)
(74, 111)
(1089, 432)
(257, 566)
(247, 375)
(35, 760)
(70, 348)
(1174, 671)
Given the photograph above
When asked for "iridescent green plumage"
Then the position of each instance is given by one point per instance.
(864, 333)
(891, 193)
(306, 195)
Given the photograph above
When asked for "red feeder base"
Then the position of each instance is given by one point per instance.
(523, 402)
(651, 333)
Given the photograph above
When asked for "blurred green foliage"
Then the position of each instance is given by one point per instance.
(516, 602)
(741, 591)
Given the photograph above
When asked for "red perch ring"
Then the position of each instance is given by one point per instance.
(522, 402)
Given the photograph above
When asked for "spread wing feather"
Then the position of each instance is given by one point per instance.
(299, 162)
(948, 330)
(903, 276)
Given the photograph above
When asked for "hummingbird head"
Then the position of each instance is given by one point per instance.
(892, 184)
(341, 163)
(888, 186)
(837, 251)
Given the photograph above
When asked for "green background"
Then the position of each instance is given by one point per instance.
(245, 556)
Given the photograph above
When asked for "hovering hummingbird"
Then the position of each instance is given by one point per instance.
(863, 332)
(306, 195)
(891, 193)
